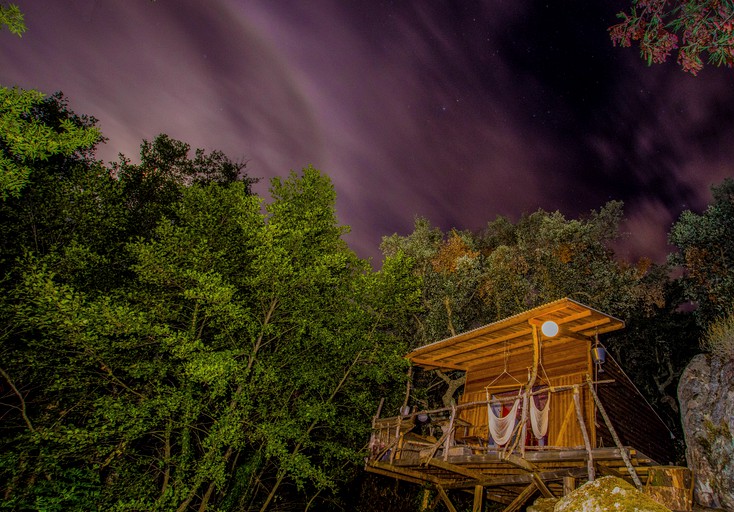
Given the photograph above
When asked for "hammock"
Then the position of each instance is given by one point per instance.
(501, 428)
(539, 418)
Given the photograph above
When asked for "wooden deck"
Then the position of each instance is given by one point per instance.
(508, 478)
(512, 479)
(436, 456)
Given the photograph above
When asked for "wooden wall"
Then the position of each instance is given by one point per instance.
(562, 364)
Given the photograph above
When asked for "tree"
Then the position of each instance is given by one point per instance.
(239, 357)
(706, 254)
(694, 27)
(166, 168)
(24, 138)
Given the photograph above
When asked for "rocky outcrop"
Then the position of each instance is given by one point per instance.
(602, 495)
(706, 396)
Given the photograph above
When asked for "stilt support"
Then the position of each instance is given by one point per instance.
(521, 499)
(478, 498)
(425, 502)
(587, 442)
(622, 449)
(445, 499)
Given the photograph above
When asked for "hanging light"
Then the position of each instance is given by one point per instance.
(549, 329)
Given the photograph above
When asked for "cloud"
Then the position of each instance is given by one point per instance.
(456, 113)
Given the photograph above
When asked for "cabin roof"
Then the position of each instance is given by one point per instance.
(488, 343)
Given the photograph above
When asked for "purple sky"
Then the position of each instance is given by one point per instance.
(456, 111)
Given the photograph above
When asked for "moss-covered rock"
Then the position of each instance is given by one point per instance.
(543, 505)
(608, 494)
(706, 396)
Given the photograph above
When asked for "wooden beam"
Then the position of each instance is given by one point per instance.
(499, 498)
(445, 498)
(564, 425)
(520, 462)
(535, 474)
(521, 499)
(497, 481)
(582, 424)
(484, 344)
(424, 502)
(390, 474)
(625, 457)
(402, 472)
(569, 485)
(478, 499)
(459, 470)
(549, 455)
(540, 484)
(608, 471)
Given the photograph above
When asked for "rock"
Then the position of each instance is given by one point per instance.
(607, 494)
(602, 495)
(543, 505)
(706, 396)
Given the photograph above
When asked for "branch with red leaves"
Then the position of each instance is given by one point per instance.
(694, 28)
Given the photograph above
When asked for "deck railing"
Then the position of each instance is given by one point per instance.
(426, 433)
(404, 437)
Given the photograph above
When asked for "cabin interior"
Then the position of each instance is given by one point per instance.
(543, 409)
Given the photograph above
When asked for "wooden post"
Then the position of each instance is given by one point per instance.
(379, 410)
(425, 502)
(569, 485)
(449, 434)
(407, 388)
(374, 424)
(582, 424)
(622, 449)
(524, 421)
(478, 498)
(445, 499)
(524, 496)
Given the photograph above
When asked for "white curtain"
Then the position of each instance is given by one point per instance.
(501, 428)
(539, 418)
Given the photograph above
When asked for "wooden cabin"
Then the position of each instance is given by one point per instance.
(541, 410)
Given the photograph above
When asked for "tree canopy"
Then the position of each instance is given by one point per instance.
(697, 29)
(168, 343)
(706, 253)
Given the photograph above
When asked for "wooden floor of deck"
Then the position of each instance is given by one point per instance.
(511, 479)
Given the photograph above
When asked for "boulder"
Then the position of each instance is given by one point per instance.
(602, 495)
(706, 396)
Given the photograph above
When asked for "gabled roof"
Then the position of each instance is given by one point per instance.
(488, 343)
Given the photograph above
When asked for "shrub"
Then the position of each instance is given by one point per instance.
(719, 337)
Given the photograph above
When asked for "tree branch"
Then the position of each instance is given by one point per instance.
(20, 397)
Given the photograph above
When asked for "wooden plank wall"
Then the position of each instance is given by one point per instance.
(563, 364)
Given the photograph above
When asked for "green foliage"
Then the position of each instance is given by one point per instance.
(471, 279)
(706, 253)
(165, 169)
(164, 333)
(12, 18)
(25, 138)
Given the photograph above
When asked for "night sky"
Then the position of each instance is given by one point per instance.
(456, 111)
